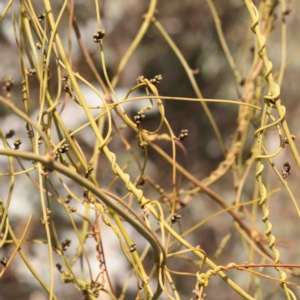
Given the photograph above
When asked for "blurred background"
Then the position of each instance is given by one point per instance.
(192, 28)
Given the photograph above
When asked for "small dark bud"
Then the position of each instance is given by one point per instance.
(132, 247)
(142, 145)
(8, 85)
(10, 134)
(97, 285)
(30, 134)
(66, 244)
(63, 149)
(286, 171)
(31, 72)
(96, 293)
(3, 261)
(141, 286)
(58, 266)
(72, 209)
(175, 218)
(17, 143)
(99, 36)
(48, 212)
(157, 79)
(140, 79)
(41, 17)
(65, 78)
(40, 141)
(67, 89)
(56, 155)
(285, 140)
(139, 117)
(68, 199)
(89, 234)
(183, 134)
(142, 180)
(88, 171)
(43, 221)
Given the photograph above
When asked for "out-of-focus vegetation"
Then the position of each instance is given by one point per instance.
(149, 149)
